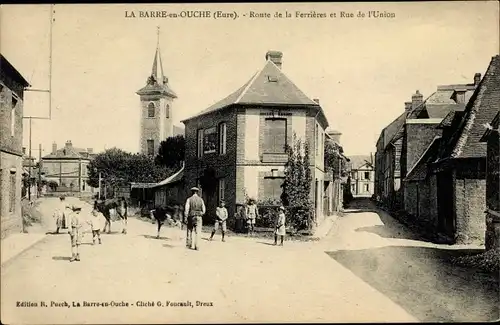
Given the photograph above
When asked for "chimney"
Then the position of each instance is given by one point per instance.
(275, 56)
(335, 135)
(316, 100)
(69, 144)
(416, 99)
(408, 106)
(54, 147)
(90, 150)
(477, 79)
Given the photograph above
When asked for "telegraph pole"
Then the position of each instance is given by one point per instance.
(39, 169)
(29, 173)
(99, 194)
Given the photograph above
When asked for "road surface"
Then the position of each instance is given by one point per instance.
(348, 277)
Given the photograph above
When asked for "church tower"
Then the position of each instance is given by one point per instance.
(156, 113)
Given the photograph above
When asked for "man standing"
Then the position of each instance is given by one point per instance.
(123, 212)
(194, 211)
(221, 213)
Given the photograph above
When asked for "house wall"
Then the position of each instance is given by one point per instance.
(359, 182)
(11, 138)
(492, 234)
(66, 172)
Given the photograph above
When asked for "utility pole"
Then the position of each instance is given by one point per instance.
(39, 169)
(29, 159)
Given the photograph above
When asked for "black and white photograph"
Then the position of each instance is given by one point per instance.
(330, 162)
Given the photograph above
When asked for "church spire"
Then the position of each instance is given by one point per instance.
(157, 71)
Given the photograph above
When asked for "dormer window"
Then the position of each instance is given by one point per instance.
(460, 97)
(151, 110)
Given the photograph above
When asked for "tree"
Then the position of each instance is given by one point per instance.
(334, 161)
(171, 152)
(297, 186)
(119, 168)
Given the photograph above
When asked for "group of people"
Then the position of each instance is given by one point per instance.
(70, 217)
(195, 209)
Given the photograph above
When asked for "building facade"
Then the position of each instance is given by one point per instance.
(402, 143)
(362, 176)
(235, 149)
(447, 187)
(156, 109)
(67, 167)
(12, 85)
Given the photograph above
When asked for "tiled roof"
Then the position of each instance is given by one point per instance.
(493, 126)
(481, 109)
(69, 152)
(268, 86)
(11, 70)
(392, 129)
(420, 169)
(173, 178)
(358, 161)
(440, 103)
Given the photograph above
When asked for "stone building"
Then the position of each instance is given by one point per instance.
(236, 147)
(492, 139)
(448, 183)
(362, 174)
(12, 85)
(156, 113)
(335, 202)
(402, 143)
(67, 167)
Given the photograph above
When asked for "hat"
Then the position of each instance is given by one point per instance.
(282, 208)
(195, 189)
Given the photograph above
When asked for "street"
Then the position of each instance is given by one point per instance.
(368, 269)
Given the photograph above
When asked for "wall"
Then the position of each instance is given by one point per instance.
(11, 221)
(418, 136)
(470, 207)
(67, 171)
(492, 234)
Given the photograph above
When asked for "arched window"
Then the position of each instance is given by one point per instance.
(167, 111)
(151, 110)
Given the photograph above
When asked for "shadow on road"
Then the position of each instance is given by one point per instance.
(154, 237)
(265, 243)
(168, 246)
(61, 258)
(423, 281)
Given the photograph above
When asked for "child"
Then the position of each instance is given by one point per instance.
(252, 214)
(221, 213)
(75, 233)
(95, 225)
(59, 214)
(280, 226)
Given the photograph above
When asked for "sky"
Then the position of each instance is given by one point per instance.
(361, 69)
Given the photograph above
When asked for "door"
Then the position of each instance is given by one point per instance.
(446, 217)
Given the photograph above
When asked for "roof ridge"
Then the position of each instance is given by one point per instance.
(474, 107)
(252, 80)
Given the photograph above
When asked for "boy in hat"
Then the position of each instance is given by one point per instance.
(252, 214)
(280, 226)
(75, 233)
(194, 211)
(221, 213)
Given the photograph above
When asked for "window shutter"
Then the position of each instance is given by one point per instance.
(280, 136)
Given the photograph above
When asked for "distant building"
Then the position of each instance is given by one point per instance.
(335, 202)
(12, 85)
(236, 147)
(156, 113)
(67, 167)
(362, 176)
(403, 141)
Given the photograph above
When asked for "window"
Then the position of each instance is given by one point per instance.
(353, 175)
(13, 116)
(151, 147)
(200, 143)
(210, 140)
(272, 188)
(222, 138)
(12, 192)
(367, 175)
(151, 110)
(367, 188)
(275, 135)
(222, 189)
(353, 187)
(167, 111)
